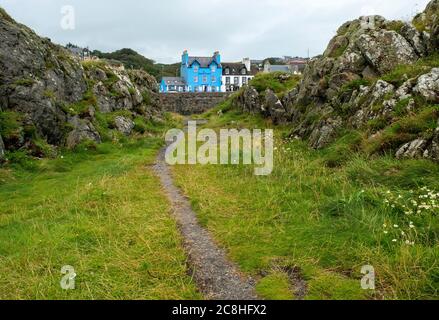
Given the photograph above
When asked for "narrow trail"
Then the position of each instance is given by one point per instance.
(216, 276)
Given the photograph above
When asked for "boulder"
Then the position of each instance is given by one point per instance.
(274, 108)
(385, 50)
(249, 100)
(124, 125)
(414, 149)
(428, 86)
(416, 39)
(324, 133)
(83, 131)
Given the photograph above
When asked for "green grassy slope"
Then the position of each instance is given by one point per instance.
(99, 210)
(326, 220)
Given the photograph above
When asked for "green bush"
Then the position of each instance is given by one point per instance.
(408, 71)
(10, 124)
(20, 159)
(355, 85)
(405, 130)
(278, 82)
(140, 125)
(146, 97)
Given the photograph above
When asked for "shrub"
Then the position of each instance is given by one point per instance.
(10, 124)
(377, 124)
(146, 97)
(278, 82)
(140, 125)
(405, 130)
(355, 85)
(22, 160)
(408, 71)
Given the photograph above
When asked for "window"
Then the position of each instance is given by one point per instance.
(196, 79)
(227, 80)
(213, 68)
(213, 79)
(204, 79)
(236, 81)
(196, 88)
(243, 71)
(196, 68)
(227, 71)
(244, 80)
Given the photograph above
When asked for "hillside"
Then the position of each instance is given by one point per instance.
(50, 100)
(133, 60)
(377, 80)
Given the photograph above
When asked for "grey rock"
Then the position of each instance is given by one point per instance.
(385, 50)
(83, 131)
(414, 149)
(405, 90)
(428, 86)
(2, 149)
(415, 38)
(274, 108)
(124, 125)
(325, 133)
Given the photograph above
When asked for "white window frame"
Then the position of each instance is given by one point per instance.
(196, 79)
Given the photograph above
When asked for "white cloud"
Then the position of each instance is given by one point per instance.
(238, 28)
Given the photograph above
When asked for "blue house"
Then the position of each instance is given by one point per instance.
(197, 74)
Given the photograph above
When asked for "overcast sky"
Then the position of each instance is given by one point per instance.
(162, 29)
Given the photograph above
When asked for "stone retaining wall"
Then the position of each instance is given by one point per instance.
(191, 103)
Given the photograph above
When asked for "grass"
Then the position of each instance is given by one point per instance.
(408, 71)
(404, 130)
(100, 211)
(317, 212)
(278, 82)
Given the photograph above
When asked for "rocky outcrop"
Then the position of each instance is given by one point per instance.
(83, 131)
(353, 84)
(57, 96)
(414, 149)
(124, 125)
(428, 23)
(428, 86)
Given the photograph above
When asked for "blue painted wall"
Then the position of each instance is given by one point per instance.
(203, 79)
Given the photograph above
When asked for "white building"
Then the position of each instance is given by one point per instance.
(236, 75)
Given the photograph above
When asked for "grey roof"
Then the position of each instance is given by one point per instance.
(277, 68)
(236, 67)
(176, 81)
(204, 62)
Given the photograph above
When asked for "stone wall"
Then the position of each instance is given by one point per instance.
(191, 103)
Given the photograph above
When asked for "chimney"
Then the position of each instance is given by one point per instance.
(247, 63)
(217, 56)
(185, 57)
